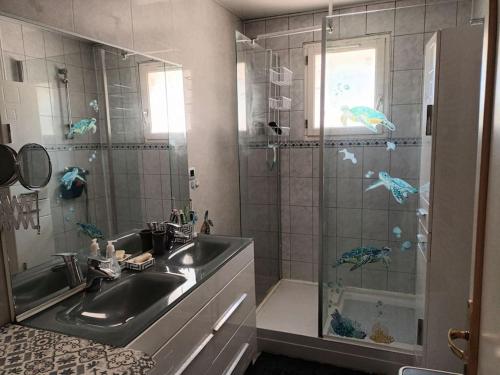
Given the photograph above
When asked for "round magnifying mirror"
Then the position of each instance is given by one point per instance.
(8, 171)
(34, 166)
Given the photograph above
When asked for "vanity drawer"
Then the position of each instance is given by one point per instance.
(189, 347)
(233, 304)
(198, 343)
(238, 352)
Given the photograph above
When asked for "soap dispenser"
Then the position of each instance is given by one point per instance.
(110, 254)
(94, 248)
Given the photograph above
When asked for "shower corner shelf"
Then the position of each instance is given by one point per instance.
(281, 103)
(281, 76)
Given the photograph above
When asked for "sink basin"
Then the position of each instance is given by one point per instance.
(123, 301)
(198, 253)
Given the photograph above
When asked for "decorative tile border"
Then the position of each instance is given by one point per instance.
(115, 146)
(375, 142)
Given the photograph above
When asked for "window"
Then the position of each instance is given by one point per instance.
(162, 93)
(356, 76)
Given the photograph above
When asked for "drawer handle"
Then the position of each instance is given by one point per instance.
(229, 370)
(194, 354)
(230, 311)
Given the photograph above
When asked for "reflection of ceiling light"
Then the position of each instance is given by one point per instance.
(187, 260)
(95, 315)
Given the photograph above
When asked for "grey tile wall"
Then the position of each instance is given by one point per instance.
(353, 216)
(42, 54)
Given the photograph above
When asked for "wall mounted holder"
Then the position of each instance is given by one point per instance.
(33, 169)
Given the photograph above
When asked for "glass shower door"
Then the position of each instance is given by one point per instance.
(370, 158)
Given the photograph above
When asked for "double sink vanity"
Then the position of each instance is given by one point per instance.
(193, 311)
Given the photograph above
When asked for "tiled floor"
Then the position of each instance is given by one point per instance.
(291, 307)
(270, 364)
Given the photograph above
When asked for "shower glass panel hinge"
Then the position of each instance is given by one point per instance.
(420, 331)
(307, 61)
(306, 123)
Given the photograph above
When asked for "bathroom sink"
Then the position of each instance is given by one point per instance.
(124, 301)
(198, 253)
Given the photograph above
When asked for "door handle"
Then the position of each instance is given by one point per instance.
(453, 335)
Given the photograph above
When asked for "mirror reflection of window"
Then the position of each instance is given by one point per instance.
(162, 92)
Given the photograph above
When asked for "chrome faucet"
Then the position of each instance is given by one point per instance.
(72, 269)
(98, 270)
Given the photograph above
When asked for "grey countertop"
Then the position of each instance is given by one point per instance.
(120, 335)
(30, 351)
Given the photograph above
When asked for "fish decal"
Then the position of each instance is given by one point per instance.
(367, 116)
(363, 255)
(84, 126)
(90, 230)
(349, 156)
(346, 327)
(69, 177)
(369, 174)
(399, 188)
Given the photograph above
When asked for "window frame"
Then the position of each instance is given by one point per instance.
(144, 69)
(381, 42)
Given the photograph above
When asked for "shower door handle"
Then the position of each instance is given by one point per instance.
(453, 335)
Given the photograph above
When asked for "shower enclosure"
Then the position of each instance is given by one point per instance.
(338, 199)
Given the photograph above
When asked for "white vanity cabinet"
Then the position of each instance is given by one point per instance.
(213, 330)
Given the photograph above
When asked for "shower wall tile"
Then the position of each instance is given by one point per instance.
(408, 118)
(349, 222)
(377, 198)
(301, 190)
(350, 193)
(374, 279)
(301, 220)
(352, 26)
(410, 16)
(380, 20)
(407, 87)
(439, 15)
(301, 271)
(375, 224)
(295, 22)
(301, 248)
(301, 162)
(408, 52)
(273, 25)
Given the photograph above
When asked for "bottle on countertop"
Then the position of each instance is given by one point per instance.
(94, 248)
(110, 254)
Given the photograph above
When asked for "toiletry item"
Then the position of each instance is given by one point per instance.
(275, 128)
(120, 254)
(207, 223)
(146, 239)
(182, 217)
(110, 254)
(159, 241)
(94, 248)
(141, 258)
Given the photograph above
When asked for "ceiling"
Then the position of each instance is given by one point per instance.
(248, 9)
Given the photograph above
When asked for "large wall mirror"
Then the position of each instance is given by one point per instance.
(113, 123)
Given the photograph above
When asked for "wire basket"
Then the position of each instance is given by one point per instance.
(281, 76)
(281, 103)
